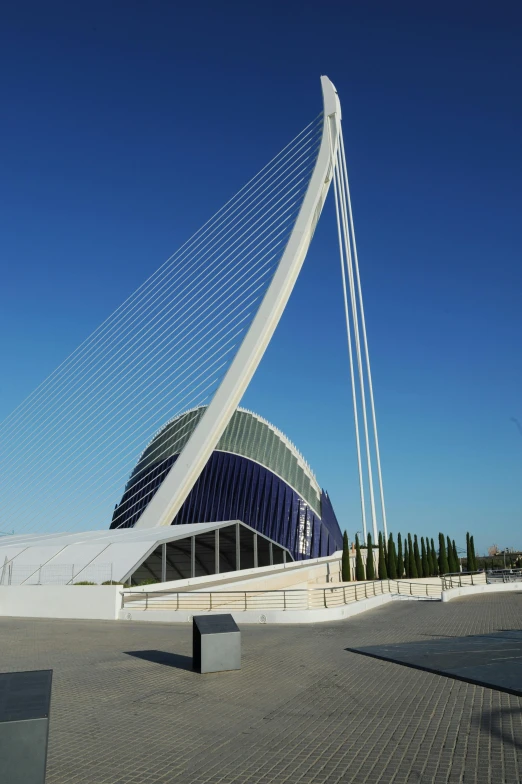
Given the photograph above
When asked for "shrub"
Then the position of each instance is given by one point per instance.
(85, 582)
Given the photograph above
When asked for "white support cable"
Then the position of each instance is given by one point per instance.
(127, 462)
(237, 298)
(111, 485)
(350, 354)
(357, 347)
(201, 294)
(183, 336)
(110, 436)
(198, 296)
(222, 211)
(365, 339)
(132, 356)
(240, 309)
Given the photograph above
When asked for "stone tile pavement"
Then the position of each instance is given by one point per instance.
(127, 709)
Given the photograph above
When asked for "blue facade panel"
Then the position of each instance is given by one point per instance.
(232, 487)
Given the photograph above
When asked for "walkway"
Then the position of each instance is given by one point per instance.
(127, 709)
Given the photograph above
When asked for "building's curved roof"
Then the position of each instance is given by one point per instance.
(246, 434)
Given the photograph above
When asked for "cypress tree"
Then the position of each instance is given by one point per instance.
(407, 572)
(385, 548)
(383, 572)
(473, 556)
(400, 559)
(359, 566)
(434, 562)
(469, 557)
(449, 550)
(392, 559)
(428, 556)
(411, 560)
(345, 563)
(443, 558)
(418, 562)
(370, 566)
(449, 554)
(424, 559)
(455, 556)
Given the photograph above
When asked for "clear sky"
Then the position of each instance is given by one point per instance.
(125, 125)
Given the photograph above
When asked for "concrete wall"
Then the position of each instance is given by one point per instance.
(262, 616)
(91, 602)
(471, 590)
(294, 573)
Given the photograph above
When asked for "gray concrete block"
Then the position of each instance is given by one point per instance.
(216, 643)
(25, 700)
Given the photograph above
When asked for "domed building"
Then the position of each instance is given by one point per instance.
(255, 475)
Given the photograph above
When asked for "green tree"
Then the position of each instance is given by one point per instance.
(411, 558)
(443, 558)
(370, 566)
(455, 556)
(407, 573)
(449, 554)
(473, 556)
(424, 559)
(345, 563)
(428, 556)
(434, 562)
(400, 559)
(359, 566)
(383, 572)
(418, 562)
(392, 559)
(385, 548)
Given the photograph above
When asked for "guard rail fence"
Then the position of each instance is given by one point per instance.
(293, 599)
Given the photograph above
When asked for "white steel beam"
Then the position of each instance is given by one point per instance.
(182, 476)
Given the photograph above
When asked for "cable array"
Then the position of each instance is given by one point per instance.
(356, 324)
(67, 451)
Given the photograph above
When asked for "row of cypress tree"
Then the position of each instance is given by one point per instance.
(406, 559)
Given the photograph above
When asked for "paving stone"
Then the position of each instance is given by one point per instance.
(302, 709)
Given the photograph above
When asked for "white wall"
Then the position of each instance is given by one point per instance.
(256, 616)
(471, 590)
(91, 602)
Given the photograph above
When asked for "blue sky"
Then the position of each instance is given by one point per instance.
(126, 125)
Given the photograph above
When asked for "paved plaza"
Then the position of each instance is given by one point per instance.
(127, 708)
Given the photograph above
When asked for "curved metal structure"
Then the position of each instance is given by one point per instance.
(176, 486)
(255, 475)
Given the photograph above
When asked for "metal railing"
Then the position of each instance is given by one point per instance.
(460, 579)
(504, 575)
(292, 599)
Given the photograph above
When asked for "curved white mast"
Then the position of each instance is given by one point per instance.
(182, 476)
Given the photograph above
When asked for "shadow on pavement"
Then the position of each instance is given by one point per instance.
(492, 722)
(164, 657)
(491, 660)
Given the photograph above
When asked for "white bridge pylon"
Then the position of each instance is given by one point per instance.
(330, 164)
(191, 336)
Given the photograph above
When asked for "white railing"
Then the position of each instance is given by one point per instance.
(293, 599)
(459, 579)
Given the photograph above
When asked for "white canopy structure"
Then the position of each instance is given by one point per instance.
(132, 555)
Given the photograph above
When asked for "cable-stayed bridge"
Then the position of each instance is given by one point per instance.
(189, 339)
